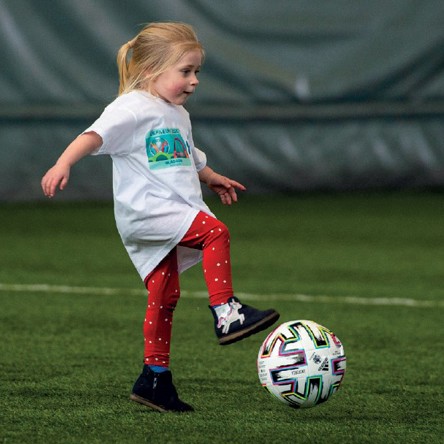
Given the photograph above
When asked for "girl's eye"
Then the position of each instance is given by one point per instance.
(188, 71)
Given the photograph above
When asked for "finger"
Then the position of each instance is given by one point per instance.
(63, 183)
(232, 194)
(237, 185)
(43, 185)
(225, 198)
(46, 187)
(51, 186)
(50, 189)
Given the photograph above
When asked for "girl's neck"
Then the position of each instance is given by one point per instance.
(153, 95)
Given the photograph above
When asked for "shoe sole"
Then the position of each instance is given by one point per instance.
(147, 403)
(153, 406)
(251, 330)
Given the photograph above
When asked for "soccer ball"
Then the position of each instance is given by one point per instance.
(301, 363)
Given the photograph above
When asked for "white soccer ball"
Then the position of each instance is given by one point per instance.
(301, 363)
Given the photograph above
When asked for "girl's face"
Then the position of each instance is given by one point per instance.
(179, 81)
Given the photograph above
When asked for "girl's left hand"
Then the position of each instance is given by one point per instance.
(224, 187)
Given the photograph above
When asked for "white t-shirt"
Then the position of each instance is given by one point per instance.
(157, 192)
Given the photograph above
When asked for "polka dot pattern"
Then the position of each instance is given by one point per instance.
(211, 237)
(163, 294)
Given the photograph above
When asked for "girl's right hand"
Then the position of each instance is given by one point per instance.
(57, 176)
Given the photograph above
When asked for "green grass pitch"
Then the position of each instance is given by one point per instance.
(368, 266)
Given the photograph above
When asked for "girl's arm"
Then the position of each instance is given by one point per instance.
(223, 186)
(58, 175)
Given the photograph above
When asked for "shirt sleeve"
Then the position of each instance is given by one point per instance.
(200, 159)
(116, 127)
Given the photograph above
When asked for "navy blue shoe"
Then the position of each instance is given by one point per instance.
(234, 321)
(157, 391)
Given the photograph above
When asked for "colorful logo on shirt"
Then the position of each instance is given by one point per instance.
(166, 148)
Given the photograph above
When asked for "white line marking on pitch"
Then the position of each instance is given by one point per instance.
(354, 300)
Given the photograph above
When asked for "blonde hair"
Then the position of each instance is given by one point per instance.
(155, 49)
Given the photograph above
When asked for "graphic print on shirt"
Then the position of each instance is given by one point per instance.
(166, 148)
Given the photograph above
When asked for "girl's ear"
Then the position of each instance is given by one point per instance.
(146, 81)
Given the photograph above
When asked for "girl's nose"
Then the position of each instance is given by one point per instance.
(194, 80)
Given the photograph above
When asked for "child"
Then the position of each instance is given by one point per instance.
(161, 217)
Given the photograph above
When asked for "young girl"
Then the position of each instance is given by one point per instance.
(161, 217)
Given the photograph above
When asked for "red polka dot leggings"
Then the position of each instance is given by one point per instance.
(212, 237)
